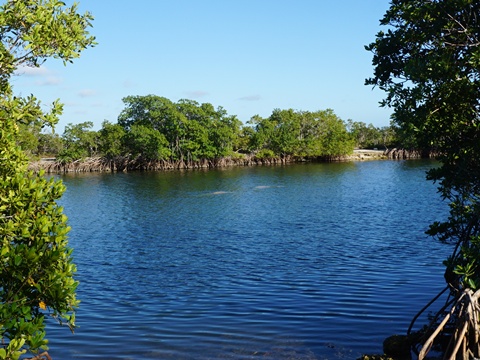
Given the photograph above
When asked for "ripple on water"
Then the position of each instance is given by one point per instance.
(319, 261)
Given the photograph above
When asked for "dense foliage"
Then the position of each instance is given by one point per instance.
(184, 131)
(302, 133)
(153, 128)
(430, 67)
(428, 63)
(36, 269)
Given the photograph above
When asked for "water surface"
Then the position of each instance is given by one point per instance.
(312, 261)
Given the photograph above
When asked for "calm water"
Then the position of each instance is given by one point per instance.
(317, 261)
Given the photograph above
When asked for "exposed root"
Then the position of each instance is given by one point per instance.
(460, 325)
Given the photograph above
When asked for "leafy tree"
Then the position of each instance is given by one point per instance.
(364, 135)
(36, 269)
(262, 133)
(244, 141)
(49, 144)
(111, 140)
(369, 136)
(428, 63)
(225, 135)
(193, 131)
(149, 110)
(285, 133)
(144, 141)
(302, 133)
(28, 136)
(158, 113)
(195, 123)
(279, 133)
(332, 138)
(223, 130)
(78, 142)
(388, 136)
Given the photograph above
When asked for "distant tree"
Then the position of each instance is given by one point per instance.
(279, 133)
(285, 134)
(154, 111)
(263, 130)
(368, 136)
(301, 133)
(158, 113)
(244, 140)
(223, 130)
(362, 133)
(111, 139)
(49, 144)
(36, 271)
(332, 137)
(146, 142)
(28, 136)
(79, 142)
(388, 136)
(428, 63)
(193, 131)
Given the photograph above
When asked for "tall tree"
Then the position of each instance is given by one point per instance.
(111, 140)
(49, 144)
(36, 269)
(79, 141)
(193, 131)
(144, 141)
(302, 133)
(428, 63)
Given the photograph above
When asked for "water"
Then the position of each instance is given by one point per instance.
(313, 261)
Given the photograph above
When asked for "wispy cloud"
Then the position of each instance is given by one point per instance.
(44, 76)
(72, 103)
(196, 94)
(86, 93)
(49, 81)
(32, 71)
(250, 98)
(129, 83)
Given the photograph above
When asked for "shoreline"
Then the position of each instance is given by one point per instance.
(123, 164)
(363, 155)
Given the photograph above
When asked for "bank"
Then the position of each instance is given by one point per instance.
(123, 164)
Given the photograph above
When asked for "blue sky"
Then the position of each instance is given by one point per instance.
(248, 56)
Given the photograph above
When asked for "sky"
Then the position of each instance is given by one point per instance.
(247, 56)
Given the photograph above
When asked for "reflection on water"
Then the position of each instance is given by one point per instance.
(313, 261)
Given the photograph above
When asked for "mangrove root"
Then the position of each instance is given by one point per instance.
(461, 324)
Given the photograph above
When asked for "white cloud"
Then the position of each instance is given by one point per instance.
(71, 104)
(129, 83)
(32, 71)
(51, 80)
(196, 94)
(44, 76)
(250, 98)
(86, 93)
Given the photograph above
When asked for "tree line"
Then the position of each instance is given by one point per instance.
(154, 128)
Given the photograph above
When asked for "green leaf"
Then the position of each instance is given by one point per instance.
(18, 260)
